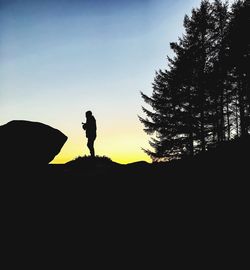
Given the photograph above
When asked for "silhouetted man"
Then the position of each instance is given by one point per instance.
(90, 128)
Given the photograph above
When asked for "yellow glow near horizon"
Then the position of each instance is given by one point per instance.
(123, 147)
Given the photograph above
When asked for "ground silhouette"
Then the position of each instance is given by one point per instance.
(203, 197)
(217, 165)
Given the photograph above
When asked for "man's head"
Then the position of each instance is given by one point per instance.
(88, 113)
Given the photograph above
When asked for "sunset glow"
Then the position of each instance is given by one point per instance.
(62, 58)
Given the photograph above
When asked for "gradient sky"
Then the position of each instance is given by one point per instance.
(59, 59)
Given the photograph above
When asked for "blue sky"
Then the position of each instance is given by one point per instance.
(62, 58)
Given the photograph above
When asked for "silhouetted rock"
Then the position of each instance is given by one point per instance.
(28, 144)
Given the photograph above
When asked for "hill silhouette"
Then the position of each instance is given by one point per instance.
(217, 175)
(204, 196)
(227, 161)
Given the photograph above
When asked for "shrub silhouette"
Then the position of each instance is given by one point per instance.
(86, 161)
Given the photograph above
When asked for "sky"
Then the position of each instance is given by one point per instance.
(60, 58)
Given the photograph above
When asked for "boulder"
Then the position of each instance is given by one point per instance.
(29, 143)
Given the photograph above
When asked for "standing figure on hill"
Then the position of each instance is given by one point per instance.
(90, 129)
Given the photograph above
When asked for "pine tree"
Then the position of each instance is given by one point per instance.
(219, 91)
(160, 123)
(239, 60)
(203, 95)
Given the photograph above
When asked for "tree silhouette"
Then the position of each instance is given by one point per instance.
(202, 98)
(239, 63)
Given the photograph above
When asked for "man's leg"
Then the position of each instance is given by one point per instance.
(90, 145)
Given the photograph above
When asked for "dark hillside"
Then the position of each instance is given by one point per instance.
(227, 162)
(208, 191)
